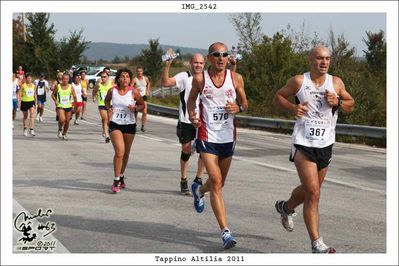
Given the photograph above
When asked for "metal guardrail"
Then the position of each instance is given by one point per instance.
(268, 123)
(164, 91)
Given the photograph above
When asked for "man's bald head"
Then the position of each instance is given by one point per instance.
(320, 49)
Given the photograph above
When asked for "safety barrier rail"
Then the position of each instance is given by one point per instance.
(268, 123)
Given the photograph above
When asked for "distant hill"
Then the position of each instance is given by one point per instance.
(108, 51)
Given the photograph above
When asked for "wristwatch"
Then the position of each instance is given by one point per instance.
(339, 101)
(241, 108)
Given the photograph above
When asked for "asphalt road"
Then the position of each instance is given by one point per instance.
(73, 178)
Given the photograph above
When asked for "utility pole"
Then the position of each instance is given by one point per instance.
(23, 27)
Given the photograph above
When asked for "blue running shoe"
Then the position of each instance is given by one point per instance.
(199, 203)
(228, 239)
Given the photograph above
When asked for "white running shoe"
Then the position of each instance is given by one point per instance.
(25, 132)
(37, 118)
(76, 122)
(32, 132)
(318, 246)
(60, 134)
(65, 137)
(287, 220)
(40, 119)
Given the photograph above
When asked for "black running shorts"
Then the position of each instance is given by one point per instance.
(125, 129)
(185, 132)
(320, 156)
(25, 106)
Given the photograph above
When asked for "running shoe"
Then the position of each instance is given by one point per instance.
(76, 122)
(107, 139)
(228, 239)
(25, 132)
(199, 203)
(59, 134)
(198, 180)
(32, 132)
(318, 246)
(40, 119)
(123, 184)
(184, 187)
(64, 137)
(116, 186)
(143, 129)
(103, 135)
(37, 118)
(287, 220)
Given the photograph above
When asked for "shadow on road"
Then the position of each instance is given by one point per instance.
(164, 233)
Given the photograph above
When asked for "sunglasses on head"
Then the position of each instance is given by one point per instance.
(217, 54)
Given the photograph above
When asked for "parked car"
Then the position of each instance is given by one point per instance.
(95, 74)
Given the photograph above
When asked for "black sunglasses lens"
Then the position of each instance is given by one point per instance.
(216, 54)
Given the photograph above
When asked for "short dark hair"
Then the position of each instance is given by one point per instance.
(120, 71)
(139, 67)
(28, 75)
(106, 68)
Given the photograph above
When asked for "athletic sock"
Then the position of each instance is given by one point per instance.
(285, 208)
(117, 178)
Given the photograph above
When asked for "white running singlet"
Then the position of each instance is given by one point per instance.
(184, 84)
(78, 91)
(317, 128)
(141, 85)
(121, 113)
(15, 87)
(217, 126)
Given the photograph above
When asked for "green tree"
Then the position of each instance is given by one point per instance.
(70, 50)
(150, 59)
(40, 44)
(266, 69)
(248, 29)
(18, 45)
(376, 51)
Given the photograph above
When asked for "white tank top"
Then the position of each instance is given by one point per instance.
(78, 91)
(121, 113)
(217, 126)
(141, 86)
(184, 82)
(15, 87)
(317, 128)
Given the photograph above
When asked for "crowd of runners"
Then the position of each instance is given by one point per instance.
(209, 101)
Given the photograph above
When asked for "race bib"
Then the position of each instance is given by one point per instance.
(40, 90)
(64, 99)
(122, 116)
(29, 93)
(317, 130)
(219, 119)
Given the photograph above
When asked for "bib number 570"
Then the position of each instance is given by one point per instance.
(220, 116)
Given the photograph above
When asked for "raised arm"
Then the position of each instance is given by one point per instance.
(166, 80)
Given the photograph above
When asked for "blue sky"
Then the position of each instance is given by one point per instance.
(200, 30)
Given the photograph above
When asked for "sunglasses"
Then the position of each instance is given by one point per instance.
(217, 54)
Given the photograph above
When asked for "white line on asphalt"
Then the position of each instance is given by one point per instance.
(331, 180)
(17, 208)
